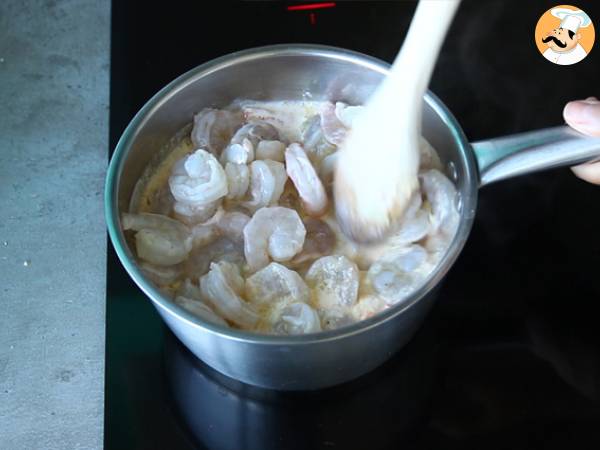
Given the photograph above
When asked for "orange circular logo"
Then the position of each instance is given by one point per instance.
(565, 35)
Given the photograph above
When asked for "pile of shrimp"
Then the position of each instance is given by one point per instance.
(240, 229)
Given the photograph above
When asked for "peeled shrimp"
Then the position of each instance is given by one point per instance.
(238, 180)
(222, 249)
(194, 214)
(213, 128)
(223, 287)
(203, 235)
(333, 129)
(198, 179)
(232, 224)
(415, 224)
(368, 306)
(441, 194)
(238, 153)
(398, 274)
(334, 282)
(313, 133)
(159, 239)
(189, 290)
(255, 132)
(161, 275)
(319, 241)
(335, 317)
(274, 232)
(305, 178)
(286, 117)
(200, 309)
(296, 318)
(315, 144)
(275, 283)
(273, 150)
(267, 180)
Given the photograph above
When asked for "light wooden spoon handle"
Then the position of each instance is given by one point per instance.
(378, 164)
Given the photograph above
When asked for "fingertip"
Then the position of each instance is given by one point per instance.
(583, 116)
(588, 172)
(570, 111)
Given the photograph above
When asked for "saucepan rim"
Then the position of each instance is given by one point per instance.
(468, 199)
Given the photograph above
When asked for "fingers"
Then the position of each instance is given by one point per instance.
(588, 172)
(584, 116)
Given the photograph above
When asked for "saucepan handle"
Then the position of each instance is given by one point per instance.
(532, 151)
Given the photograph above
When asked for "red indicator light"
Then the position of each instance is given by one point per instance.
(309, 6)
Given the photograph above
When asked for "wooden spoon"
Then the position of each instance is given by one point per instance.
(376, 172)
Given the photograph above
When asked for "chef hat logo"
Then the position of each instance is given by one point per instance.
(565, 35)
(571, 19)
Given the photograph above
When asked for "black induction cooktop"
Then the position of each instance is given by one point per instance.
(510, 356)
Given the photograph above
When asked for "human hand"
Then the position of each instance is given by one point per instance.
(584, 116)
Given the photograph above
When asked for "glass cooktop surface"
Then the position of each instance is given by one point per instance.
(510, 355)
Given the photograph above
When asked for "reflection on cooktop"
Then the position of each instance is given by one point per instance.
(431, 394)
(222, 413)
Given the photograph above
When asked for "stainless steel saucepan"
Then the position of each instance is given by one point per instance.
(315, 72)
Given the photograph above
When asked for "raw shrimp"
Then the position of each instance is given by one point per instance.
(159, 240)
(161, 275)
(200, 309)
(296, 318)
(189, 290)
(275, 283)
(247, 250)
(238, 180)
(441, 194)
(398, 274)
(255, 132)
(334, 318)
(368, 306)
(194, 214)
(319, 241)
(223, 287)
(274, 150)
(286, 117)
(238, 153)
(203, 235)
(198, 179)
(213, 128)
(314, 142)
(312, 134)
(305, 178)
(274, 232)
(232, 224)
(334, 281)
(415, 224)
(222, 249)
(333, 129)
(414, 227)
(267, 180)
